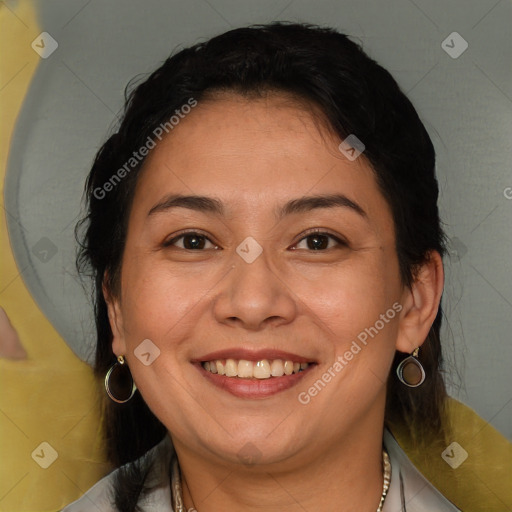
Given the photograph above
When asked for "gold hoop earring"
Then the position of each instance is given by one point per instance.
(410, 371)
(119, 394)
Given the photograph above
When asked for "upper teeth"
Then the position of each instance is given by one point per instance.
(263, 369)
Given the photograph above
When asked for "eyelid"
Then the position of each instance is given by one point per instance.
(313, 231)
(321, 231)
(169, 241)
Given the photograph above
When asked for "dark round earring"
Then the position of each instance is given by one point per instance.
(410, 371)
(123, 388)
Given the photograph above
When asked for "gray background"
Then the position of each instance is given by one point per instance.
(465, 103)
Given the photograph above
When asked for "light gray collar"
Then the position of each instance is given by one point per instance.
(409, 491)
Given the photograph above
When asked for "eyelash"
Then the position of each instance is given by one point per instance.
(304, 236)
(318, 231)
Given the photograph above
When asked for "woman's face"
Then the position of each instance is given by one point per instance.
(222, 262)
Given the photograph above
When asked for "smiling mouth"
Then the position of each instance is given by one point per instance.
(262, 369)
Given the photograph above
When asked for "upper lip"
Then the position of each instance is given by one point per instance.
(253, 355)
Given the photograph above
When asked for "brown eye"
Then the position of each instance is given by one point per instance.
(191, 241)
(319, 242)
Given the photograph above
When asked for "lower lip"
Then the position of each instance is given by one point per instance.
(254, 388)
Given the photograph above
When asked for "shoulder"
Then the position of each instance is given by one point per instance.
(409, 490)
(479, 478)
(100, 497)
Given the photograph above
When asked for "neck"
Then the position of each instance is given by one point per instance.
(346, 475)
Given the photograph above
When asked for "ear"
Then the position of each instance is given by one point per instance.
(115, 318)
(420, 304)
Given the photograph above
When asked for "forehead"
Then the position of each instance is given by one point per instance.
(259, 151)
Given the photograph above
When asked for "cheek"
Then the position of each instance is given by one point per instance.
(356, 307)
(351, 297)
(158, 300)
(157, 307)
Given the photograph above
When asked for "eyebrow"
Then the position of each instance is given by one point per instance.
(304, 204)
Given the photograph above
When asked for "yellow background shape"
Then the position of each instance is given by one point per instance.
(51, 396)
(483, 482)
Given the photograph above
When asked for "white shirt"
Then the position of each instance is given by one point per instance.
(419, 495)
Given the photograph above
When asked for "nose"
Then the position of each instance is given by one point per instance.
(254, 296)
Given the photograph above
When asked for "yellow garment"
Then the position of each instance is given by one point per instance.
(52, 397)
(483, 482)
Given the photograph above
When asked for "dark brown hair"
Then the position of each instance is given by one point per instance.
(355, 96)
